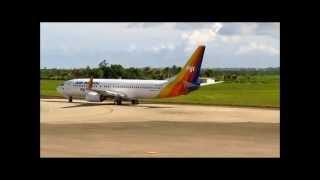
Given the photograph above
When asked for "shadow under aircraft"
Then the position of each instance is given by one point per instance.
(107, 104)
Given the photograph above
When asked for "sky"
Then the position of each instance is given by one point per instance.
(228, 45)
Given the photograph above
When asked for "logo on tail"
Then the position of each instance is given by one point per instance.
(187, 79)
(190, 68)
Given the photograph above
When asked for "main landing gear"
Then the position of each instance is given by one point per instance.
(134, 102)
(118, 101)
(70, 99)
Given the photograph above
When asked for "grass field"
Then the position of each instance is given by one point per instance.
(48, 87)
(260, 91)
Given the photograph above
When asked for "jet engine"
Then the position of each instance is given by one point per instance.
(94, 97)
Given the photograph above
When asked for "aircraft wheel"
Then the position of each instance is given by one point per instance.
(134, 102)
(118, 102)
(70, 99)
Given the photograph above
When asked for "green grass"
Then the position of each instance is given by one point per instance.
(238, 94)
(260, 91)
(48, 87)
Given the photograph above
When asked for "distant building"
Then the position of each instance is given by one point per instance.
(207, 80)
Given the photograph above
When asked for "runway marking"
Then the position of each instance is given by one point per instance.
(152, 152)
(153, 130)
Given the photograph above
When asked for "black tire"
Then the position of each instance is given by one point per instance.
(70, 99)
(102, 98)
(134, 102)
(119, 102)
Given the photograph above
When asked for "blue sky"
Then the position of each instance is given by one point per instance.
(74, 45)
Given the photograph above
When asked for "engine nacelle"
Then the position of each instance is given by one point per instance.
(94, 97)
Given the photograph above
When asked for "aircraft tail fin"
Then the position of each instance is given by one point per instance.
(187, 79)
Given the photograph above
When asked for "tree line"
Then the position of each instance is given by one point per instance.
(116, 71)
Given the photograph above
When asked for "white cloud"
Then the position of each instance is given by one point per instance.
(253, 46)
(270, 30)
(191, 26)
(159, 44)
(202, 36)
(248, 28)
(162, 46)
(148, 25)
(250, 38)
(231, 39)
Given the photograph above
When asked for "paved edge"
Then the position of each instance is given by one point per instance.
(155, 102)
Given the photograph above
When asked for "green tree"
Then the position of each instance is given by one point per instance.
(208, 73)
(117, 71)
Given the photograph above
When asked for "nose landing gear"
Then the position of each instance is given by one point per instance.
(70, 99)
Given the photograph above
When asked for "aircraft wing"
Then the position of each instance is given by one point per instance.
(105, 93)
(111, 94)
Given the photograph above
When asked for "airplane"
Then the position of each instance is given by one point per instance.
(98, 90)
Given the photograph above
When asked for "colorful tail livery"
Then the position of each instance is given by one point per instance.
(187, 79)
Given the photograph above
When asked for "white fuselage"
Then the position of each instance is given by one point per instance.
(131, 87)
